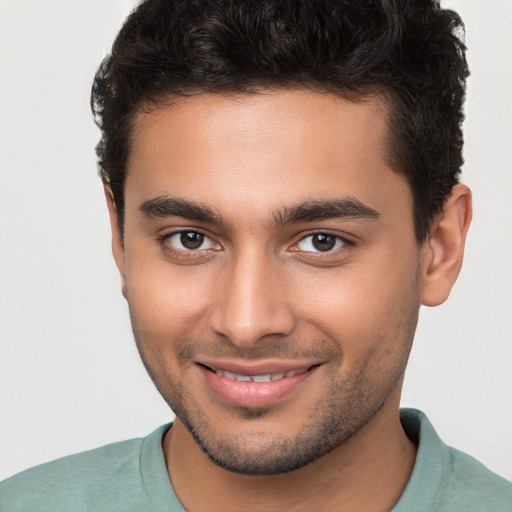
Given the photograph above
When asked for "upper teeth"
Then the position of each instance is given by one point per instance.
(268, 377)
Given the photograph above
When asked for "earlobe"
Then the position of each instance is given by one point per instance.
(443, 251)
(117, 242)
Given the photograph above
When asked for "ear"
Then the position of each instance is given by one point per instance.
(117, 242)
(443, 251)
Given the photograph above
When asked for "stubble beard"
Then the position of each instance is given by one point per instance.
(349, 404)
(352, 398)
(326, 427)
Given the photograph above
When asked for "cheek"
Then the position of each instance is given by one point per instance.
(166, 303)
(368, 308)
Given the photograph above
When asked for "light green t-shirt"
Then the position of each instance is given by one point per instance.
(132, 476)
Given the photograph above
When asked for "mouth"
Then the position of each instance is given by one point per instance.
(266, 377)
(255, 386)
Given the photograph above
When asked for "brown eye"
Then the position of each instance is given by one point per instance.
(188, 241)
(321, 242)
(191, 239)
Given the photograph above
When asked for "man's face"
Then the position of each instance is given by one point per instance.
(271, 270)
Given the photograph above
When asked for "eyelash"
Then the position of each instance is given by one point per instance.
(163, 241)
(346, 244)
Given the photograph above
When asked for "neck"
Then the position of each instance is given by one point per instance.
(369, 472)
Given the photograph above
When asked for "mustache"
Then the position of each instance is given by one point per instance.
(224, 348)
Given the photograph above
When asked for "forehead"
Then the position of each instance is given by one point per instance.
(265, 150)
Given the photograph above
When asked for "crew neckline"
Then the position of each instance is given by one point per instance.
(422, 489)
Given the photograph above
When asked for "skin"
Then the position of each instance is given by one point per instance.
(258, 292)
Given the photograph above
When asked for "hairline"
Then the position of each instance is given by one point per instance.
(384, 98)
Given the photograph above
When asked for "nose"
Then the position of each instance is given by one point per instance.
(252, 302)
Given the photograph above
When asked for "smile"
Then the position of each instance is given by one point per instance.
(255, 387)
(268, 377)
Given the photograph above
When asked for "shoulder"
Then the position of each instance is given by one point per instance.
(445, 479)
(470, 482)
(61, 484)
(66, 483)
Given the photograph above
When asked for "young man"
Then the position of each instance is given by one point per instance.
(282, 182)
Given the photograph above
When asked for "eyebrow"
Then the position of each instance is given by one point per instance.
(310, 211)
(165, 206)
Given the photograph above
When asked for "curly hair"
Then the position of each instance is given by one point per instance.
(411, 52)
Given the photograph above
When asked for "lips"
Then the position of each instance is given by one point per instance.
(267, 377)
(255, 386)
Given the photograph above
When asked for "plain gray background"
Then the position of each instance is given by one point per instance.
(70, 377)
